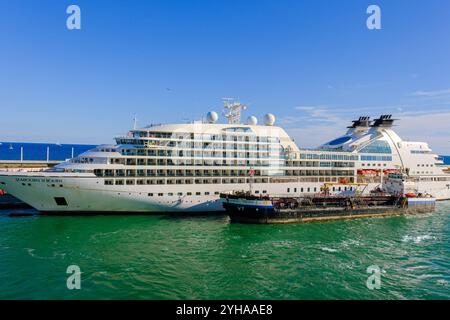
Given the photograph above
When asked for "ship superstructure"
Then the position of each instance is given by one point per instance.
(185, 167)
(381, 152)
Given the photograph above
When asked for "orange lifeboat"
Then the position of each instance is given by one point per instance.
(368, 172)
(410, 195)
(388, 171)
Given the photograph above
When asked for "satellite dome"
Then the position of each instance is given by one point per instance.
(252, 121)
(269, 119)
(212, 117)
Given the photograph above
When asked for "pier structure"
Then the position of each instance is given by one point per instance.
(27, 165)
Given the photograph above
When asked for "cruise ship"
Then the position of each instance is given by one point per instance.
(185, 167)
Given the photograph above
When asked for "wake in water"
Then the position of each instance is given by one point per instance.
(418, 239)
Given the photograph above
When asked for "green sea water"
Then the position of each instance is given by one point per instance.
(161, 257)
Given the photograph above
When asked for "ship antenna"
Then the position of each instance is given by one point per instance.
(232, 110)
(134, 122)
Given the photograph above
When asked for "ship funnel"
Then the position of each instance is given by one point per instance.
(363, 121)
(384, 120)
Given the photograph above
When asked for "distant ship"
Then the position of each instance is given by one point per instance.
(185, 167)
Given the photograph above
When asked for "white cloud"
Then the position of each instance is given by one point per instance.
(433, 128)
(325, 124)
(432, 93)
(316, 125)
(312, 137)
(316, 113)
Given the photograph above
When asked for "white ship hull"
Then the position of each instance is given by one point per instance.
(87, 194)
(185, 167)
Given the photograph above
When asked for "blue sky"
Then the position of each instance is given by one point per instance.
(314, 64)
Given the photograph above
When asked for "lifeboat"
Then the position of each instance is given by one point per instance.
(389, 171)
(410, 195)
(368, 172)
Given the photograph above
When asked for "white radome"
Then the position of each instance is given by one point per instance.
(269, 119)
(212, 117)
(252, 121)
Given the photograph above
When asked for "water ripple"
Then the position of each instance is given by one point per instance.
(157, 257)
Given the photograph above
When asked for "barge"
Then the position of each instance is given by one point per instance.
(247, 208)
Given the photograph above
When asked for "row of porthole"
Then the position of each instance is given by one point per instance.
(48, 185)
(315, 189)
(161, 194)
(180, 194)
(301, 190)
(175, 201)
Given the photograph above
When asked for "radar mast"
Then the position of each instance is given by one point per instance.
(134, 121)
(232, 110)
